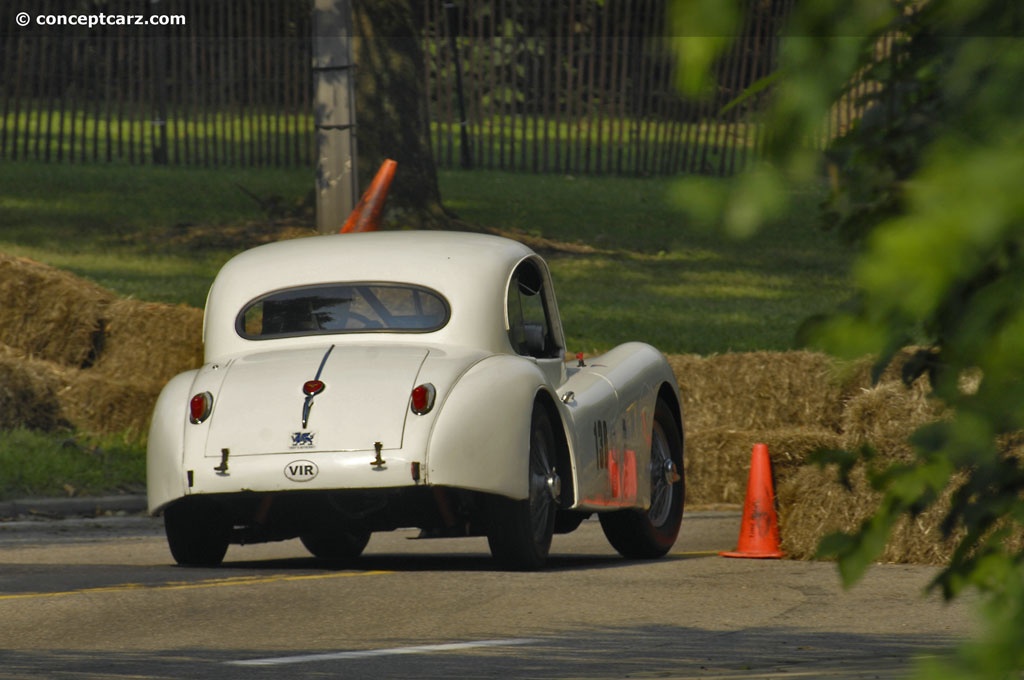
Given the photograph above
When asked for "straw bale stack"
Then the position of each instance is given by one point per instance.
(813, 503)
(101, 404)
(760, 390)
(885, 415)
(29, 392)
(799, 403)
(74, 354)
(717, 461)
(48, 313)
(150, 340)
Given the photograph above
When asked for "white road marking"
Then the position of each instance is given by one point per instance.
(395, 651)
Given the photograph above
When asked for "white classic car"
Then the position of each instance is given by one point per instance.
(368, 382)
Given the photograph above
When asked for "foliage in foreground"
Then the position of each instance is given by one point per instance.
(928, 186)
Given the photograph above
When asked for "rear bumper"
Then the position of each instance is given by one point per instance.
(304, 471)
(298, 471)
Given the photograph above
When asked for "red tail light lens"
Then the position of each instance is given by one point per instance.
(199, 407)
(422, 399)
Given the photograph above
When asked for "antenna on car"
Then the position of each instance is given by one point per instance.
(366, 215)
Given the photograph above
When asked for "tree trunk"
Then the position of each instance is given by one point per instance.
(391, 112)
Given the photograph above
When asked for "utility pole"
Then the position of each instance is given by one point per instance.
(334, 113)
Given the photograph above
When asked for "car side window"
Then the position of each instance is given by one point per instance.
(528, 319)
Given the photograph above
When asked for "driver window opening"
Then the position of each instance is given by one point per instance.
(529, 327)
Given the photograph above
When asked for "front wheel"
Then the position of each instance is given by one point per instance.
(198, 532)
(519, 532)
(644, 535)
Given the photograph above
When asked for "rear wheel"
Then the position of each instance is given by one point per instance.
(336, 545)
(520, 531)
(643, 535)
(198, 532)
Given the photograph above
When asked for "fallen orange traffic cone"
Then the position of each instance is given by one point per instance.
(366, 215)
(759, 530)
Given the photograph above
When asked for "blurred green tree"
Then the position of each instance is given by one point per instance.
(928, 185)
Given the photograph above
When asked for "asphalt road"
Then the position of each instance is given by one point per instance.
(100, 598)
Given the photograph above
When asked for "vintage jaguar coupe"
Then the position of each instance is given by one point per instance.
(368, 382)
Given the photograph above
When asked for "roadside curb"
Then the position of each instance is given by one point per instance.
(60, 508)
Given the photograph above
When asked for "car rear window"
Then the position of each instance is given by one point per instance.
(343, 308)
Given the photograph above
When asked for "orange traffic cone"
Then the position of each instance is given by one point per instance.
(366, 215)
(759, 530)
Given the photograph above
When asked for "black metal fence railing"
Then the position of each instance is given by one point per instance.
(582, 87)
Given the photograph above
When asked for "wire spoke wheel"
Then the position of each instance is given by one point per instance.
(639, 534)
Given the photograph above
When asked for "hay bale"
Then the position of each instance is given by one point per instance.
(29, 391)
(813, 504)
(858, 372)
(150, 340)
(47, 313)
(99, 404)
(760, 390)
(885, 416)
(717, 462)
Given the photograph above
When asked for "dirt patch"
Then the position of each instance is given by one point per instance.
(194, 237)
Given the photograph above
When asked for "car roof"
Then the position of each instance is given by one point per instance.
(471, 270)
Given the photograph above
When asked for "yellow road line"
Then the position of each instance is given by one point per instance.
(192, 585)
(695, 553)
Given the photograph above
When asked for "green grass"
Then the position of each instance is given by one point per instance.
(112, 223)
(253, 137)
(44, 464)
(657, 277)
(681, 286)
(601, 144)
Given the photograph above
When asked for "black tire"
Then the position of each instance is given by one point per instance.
(335, 545)
(646, 535)
(198, 532)
(519, 531)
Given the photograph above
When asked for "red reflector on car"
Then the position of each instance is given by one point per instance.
(199, 407)
(313, 387)
(422, 399)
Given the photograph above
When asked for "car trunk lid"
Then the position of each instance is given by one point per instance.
(333, 398)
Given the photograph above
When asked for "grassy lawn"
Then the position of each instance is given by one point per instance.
(683, 287)
(114, 223)
(44, 464)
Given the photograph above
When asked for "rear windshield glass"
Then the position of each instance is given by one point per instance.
(343, 308)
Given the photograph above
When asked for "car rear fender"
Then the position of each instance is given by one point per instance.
(165, 480)
(481, 438)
